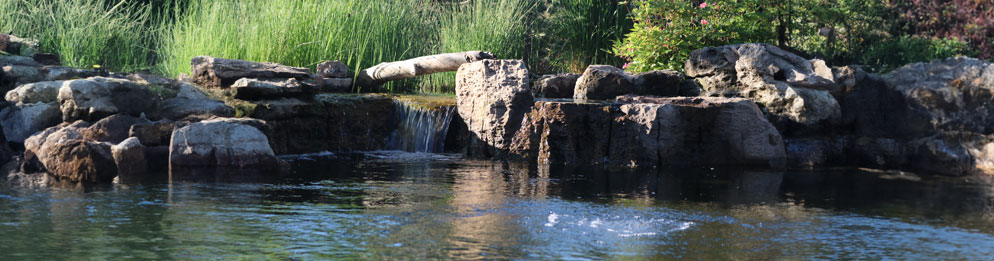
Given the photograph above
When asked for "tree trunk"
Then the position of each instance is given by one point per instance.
(375, 76)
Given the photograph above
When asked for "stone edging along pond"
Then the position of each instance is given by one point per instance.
(750, 105)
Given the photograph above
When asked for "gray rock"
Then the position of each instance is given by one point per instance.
(179, 108)
(220, 73)
(603, 82)
(336, 84)
(493, 96)
(555, 86)
(35, 92)
(789, 88)
(23, 120)
(333, 69)
(59, 73)
(98, 97)
(263, 89)
(221, 143)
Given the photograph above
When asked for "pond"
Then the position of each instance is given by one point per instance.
(393, 204)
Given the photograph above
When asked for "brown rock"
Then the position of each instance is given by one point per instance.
(555, 86)
(265, 89)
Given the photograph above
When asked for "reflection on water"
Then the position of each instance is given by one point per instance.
(390, 204)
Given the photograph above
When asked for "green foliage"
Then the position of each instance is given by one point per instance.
(867, 32)
(84, 32)
(579, 33)
(667, 31)
(892, 53)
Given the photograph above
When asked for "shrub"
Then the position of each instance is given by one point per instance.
(666, 31)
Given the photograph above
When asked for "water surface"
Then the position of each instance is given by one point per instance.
(391, 204)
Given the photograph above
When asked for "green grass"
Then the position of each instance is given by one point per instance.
(85, 32)
(298, 33)
(163, 35)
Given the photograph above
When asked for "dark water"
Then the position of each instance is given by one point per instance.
(390, 205)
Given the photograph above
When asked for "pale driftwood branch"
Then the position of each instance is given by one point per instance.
(392, 71)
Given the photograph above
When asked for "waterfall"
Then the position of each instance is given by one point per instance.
(421, 128)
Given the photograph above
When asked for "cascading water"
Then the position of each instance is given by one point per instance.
(421, 128)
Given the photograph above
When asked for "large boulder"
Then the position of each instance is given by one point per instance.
(555, 86)
(67, 156)
(924, 98)
(113, 129)
(492, 97)
(95, 98)
(650, 131)
(603, 82)
(21, 121)
(224, 144)
(791, 90)
(221, 73)
(706, 131)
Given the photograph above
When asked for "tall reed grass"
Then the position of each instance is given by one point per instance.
(84, 33)
(297, 32)
(163, 35)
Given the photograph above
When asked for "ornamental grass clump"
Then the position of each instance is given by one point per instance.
(115, 35)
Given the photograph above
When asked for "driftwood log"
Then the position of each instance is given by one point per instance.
(375, 76)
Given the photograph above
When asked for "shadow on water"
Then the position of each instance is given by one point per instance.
(387, 204)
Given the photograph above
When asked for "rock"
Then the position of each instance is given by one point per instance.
(44, 92)
(603, 82)
(129, 156)
(113, 129)
(220, 73)
(555, 86)
(47, 59)
(221, 143)
(98, 97)
(329, 122)
(22, 74)
(699, 131)
(566, 133)
(336, 84)
(178, 108)
(790, 89)
(493, 97)
(68, 157)
(333, 69)
(6, 153)
(153, 134)
(8, 60)
(263, 89)
(58, 73)
(950, 95)
(650, 131)
(664, 83)
(4, 41)
(808, 153)
(23, 120)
